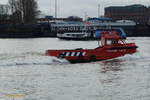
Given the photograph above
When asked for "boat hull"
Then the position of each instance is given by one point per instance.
(97, 54)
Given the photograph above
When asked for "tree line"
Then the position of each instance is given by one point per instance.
(19, 11)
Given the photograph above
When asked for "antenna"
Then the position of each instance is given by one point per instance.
(56, 16)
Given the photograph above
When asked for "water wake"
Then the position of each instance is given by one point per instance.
(29, 59)
(127, 59)
(35, 58)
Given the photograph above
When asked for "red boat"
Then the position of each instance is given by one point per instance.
(112, 46)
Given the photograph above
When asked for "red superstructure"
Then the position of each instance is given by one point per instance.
(112, 46)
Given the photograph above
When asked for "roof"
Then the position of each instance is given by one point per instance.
(128, 21)
(101, 19)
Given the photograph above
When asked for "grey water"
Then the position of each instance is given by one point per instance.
(27, 74)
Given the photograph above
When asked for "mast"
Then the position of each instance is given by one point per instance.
(98, 10)
(55, 9)
(85, 27)
(56, 16)
(50, 8)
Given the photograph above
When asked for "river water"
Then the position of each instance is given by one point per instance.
(27, 74)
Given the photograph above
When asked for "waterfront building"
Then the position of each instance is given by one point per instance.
(75, 24)
(137, 13)
(91, 25)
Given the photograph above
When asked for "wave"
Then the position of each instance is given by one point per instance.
(29, 59)
(128, 59)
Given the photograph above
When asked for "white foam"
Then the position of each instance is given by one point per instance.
(29, 59)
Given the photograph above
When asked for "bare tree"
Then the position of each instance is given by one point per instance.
(3, 13)
(12, 5)
(29, 10)
(15, 16)
(24, 11)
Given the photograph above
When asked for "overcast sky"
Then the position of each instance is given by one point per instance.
(80, 7)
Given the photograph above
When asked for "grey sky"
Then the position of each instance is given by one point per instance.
(79, 7)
